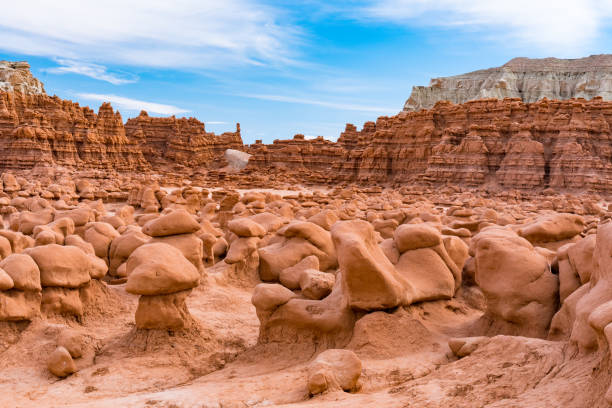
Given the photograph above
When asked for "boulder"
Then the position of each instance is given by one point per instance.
(60, 363)
(290, 277)
(332, 370)
(316, 284)
(23, 271)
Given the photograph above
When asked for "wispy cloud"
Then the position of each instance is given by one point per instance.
(326, 104)
(133, 104)
(212, 122)
(95, 71)
(558, 27)
(153, 33)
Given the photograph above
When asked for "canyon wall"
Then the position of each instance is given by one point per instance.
(36, 129)
(505, 143)
(524, 78)
(180, 142)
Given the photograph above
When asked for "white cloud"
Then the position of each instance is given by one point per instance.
(95, 71)
(155, 33)
(212, 122)
(558, 27)
(325, 104)
(134, 104)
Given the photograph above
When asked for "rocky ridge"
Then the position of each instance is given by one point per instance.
(525, 78)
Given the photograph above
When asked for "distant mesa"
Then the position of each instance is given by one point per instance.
(524, 78)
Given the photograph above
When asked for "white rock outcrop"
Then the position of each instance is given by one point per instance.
(16, 77)
(525, 78)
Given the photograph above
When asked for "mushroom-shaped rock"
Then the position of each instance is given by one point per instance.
(28, 220)
(59, 230)
(425, 262)
(60, 363)
(269, 296)
(80, 216)
(100, 235)
(190, 246)
(519, 288)
(159, 269)
(270, 222)
(164, 277)
(415, 236)
(324, 219)
(77, 241)
(334, 369)
(46, 237)
(177, 222)
(18, 241)
(240, 249)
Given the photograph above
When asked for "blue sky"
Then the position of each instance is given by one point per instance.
(282, 67)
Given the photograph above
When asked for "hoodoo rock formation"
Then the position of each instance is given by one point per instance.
(524, 78)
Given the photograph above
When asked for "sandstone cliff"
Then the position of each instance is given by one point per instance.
(16, 76)
(36, 129)
(528, 79)
(499, 143)
(180, 141)
(495, 143)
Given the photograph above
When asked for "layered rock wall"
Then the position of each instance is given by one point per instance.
(506, 143)
(180, 140)
(36, 129)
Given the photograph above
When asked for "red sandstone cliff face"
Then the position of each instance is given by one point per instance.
(560, 144)
(180, 141)
(506, 143)
(36, 129)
